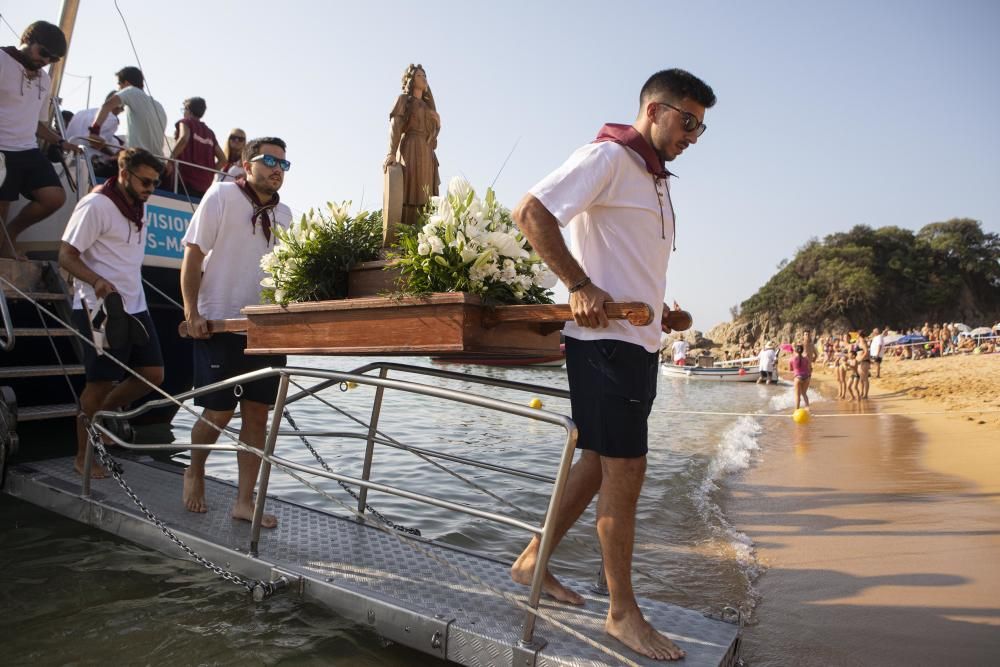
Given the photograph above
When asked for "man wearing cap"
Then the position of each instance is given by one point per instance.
(613, 195)
(25, 90)
(766, 362)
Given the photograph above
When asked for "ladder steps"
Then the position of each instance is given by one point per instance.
(55, 330)
(38, 412)
(38, 371)
(37, 296)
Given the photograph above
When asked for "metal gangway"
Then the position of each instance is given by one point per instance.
(438, 598)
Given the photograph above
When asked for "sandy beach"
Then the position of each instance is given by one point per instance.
(880, 535)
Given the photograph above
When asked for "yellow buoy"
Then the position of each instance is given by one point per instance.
(801, 416)
(535, 403)
(352, 385)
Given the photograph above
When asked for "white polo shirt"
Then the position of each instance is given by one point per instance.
(221, 228)
(621, 231)
(24, 103)
(109, 245)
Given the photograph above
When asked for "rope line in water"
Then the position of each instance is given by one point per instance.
(818, 416)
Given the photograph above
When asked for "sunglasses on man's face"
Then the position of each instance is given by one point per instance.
(689, 120)
(48, 55)
(272, 162)
(146, 182)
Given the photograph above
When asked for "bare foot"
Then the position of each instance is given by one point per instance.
(524, 569)
(635, 632)
(194, 492)
(245, 513)
(97, 471)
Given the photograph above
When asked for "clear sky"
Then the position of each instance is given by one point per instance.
(829, 114)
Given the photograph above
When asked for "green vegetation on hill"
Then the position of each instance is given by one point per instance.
(946, 272)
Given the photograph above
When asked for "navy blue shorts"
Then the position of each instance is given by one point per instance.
(612, 385)
(222, 357)
(101, 368)
(27, 171)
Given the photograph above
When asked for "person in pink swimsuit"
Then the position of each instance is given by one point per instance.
(802, 370)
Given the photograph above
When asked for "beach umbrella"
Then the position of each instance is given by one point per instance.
(981, 331)
(910, 338)
(892, 338)
(962, 327)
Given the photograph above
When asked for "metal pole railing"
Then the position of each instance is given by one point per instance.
(366, 469)
(265, 466)
(7, 339)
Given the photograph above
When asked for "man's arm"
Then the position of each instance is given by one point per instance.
(190, 286)
(48, 135)
(109, 104)
(541, 229)
(220, 157)
(69, 259)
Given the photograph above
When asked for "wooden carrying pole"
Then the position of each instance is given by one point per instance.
(637, 313)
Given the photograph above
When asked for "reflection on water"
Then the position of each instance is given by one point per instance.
(71, 592)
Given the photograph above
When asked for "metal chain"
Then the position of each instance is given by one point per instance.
(374, 512)
(118, 473)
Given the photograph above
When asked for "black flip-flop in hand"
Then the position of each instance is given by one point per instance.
(121, 328)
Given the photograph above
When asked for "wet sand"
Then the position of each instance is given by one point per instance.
(880, 535)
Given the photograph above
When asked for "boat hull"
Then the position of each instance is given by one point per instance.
(711, 374)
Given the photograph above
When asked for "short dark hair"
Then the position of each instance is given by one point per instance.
(252, 149)
(196, 105)
(110, 95)
(132, 75)
(676, 85)
(137, 157)
(46, 34)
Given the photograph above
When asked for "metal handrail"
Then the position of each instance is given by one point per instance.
(7, 338)
(545, 531)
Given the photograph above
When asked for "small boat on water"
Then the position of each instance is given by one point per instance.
(712, 373)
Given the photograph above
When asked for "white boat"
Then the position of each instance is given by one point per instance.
(712, 373)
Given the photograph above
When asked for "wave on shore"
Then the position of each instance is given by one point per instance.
(734, 454)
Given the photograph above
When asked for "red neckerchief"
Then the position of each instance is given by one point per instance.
(133, 212)
(628, 136)
(260, 209)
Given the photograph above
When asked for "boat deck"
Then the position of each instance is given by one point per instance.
(377, 580)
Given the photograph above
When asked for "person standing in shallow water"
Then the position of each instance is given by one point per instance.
(414, 125)
(801, 368)
(614, 196)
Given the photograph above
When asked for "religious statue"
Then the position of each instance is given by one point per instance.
(411, 168)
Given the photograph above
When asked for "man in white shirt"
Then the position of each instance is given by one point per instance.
(144, 116)
(104, 159)
(25, 90)
(877, 348)
(614, 196)
(766, 363)
(102, 248)
(680, 352)
(229, 234)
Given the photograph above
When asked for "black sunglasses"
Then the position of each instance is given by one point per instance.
(146, 182)
(691, 122)
(236, 137)
(48, 55)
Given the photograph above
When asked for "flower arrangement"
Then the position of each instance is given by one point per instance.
(311, 258)
(470, 245)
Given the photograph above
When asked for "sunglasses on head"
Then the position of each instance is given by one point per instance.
(272, 162)
(146, 182)
(48, 55)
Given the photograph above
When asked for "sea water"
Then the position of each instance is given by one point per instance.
(74, 595)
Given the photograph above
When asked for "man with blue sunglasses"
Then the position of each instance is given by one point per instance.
(230, 232)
